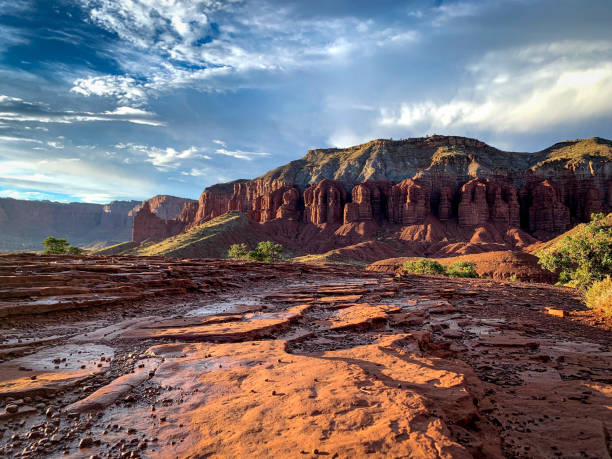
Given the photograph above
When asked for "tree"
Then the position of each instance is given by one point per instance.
(73, 250)
(462, 269)
(55, 246)
(267, 251)
(238, 251)
(58, 246)
(584, 257)
(423, 266)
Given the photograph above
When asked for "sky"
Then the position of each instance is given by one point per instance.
(106, 100)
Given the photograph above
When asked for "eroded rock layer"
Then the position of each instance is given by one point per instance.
(213, 358)
(405, 183)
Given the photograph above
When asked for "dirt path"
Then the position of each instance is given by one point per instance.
(251, 360)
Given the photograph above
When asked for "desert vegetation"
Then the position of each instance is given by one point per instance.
(599, 295)
(266, 251)
(584, 261)
(456, 269)
(58, 246)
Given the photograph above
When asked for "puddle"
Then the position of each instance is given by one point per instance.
(229, 306)
(75, 356)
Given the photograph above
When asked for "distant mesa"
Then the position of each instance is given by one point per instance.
(24, 224)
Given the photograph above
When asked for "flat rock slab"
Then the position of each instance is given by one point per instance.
(252, 326)
(38, 372)
(509, 340)
(255, 400)
(362, 316)
(117, 389)
(340, 299)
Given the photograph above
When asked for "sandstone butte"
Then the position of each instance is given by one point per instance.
(173, 357)
(433, 196)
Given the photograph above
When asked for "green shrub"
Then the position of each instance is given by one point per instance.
(599, 295)
(513, 278)
(423, 266)
(238, 251)
(585, 257)
(462, 269)
(55, 246)
(267, 251)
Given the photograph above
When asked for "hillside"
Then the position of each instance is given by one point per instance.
(208, 240)
(501, 265)
(553, 244)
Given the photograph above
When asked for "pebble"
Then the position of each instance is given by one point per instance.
(86, 442)
(11, 408)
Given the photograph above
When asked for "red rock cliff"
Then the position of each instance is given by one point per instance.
(405, 182)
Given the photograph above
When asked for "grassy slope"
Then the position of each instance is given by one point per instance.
(575, 151)
(208, 239)
(554, 244)
(115, 249)
(333, 257)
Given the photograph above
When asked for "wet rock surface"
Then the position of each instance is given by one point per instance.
(285, 360)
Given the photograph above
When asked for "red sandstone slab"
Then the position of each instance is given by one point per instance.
(362, 317)
(340, 299)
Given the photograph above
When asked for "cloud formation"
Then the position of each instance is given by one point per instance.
(14, 109)
(171, 96)
(521, 89)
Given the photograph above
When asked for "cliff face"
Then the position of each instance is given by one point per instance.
(164, 206)
(405, 183)
(24, 224)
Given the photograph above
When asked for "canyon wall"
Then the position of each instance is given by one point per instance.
(406, 182)
(25, 224)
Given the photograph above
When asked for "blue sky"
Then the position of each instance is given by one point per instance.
(106, 99)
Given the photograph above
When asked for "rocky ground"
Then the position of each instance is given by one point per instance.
(154, 357)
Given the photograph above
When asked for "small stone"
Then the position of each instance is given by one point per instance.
(86, 442)
(11, 408)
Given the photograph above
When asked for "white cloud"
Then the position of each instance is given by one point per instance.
(169, 44)
(220, 142)
(239, 154)
(56, 145)
(7, 138)
(13, 109)
(125, 89)
(521, 90)
(23, 195)
(344, 138)
(164, 159)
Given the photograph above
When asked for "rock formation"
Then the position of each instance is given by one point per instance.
(164, 206)
(454, 179)
(324, 203)
(547, 214)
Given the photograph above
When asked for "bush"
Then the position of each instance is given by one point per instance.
(238, 251)
(513, 278)
(423, 266)
(265, 251)
(599, 295)
(462, 269)
(585, 257)
(55, 246)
